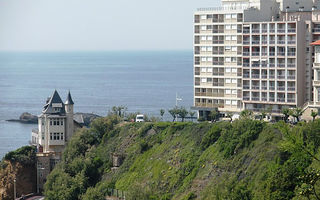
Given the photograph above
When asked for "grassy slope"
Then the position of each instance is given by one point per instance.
(170, 161)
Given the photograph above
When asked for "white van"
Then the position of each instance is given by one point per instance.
(140, 118)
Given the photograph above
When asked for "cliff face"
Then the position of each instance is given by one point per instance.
(19, 165)
(246, 159)
(25, 180)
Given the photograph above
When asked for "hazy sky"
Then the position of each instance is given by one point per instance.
(53, 25)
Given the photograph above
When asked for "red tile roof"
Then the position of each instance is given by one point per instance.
(316, 42)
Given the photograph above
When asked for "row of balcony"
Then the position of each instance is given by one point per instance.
(282, 100)
(289, 30)
(257, 87)
(271, 65)
(258, 42)
(268, 54)
(257, 76)
(208, 94)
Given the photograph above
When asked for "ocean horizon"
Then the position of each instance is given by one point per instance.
(143, 81)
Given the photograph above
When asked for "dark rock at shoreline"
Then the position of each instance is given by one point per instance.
(26, 118)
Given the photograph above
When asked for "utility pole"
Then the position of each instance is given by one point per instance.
(14, 189)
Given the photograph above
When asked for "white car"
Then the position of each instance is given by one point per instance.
(140, 118)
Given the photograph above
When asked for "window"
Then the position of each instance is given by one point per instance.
(203, 59)
(42, 135)
(58, 122)
(203, 16)
(51, 136)
(203, 28)
(203, 80)
(234, 38)
(203, 38)
(234, 49)
(234, 103)
(54, 122)
(210, 70)
(228, 70)
(234, 70)
(54, 136)
(209, 49)
(228, 91)
(228, 37)
(209, 59)
(61, 136)
(234, 91)
(62, 122)
(234, 16)
(58, 136)
(228, 16)
(203, 69)
(228, 102)
(227, 48)
(234, 27)
(203, 48)
(50, 122)
(228, 27)
(228, 80)
(210, 38)
(228, 59)
(234, 80)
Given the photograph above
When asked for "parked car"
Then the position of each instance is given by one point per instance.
(140, 118)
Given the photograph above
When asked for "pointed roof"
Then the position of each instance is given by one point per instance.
(69, 100)
(54, 99)
(316, 43)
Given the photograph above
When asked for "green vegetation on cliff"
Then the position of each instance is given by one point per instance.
(246, 159)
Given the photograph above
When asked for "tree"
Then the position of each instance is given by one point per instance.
(263, 115)
(230, 115)
(286, 112)
(191, 113)
(173, 112)
(296, 113)
(214, 115)
(182, 112)
(162, 111)
(314, 115)
(119, 110)
(246, 114)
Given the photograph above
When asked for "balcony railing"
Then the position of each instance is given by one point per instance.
(291, 88)
(255, 87)
(264, 99)
(281, 53)
(246, 87)
(255, 99)
(255, 30)
(291, 100)
(281, 30)
(272, 30)
(271, 64)
(281, 88)
(292, 77)
(246, 75)
(281, 100)
(255, 53)
(281, 65)
(272, 42)
(291, 53)
(271, 76)
(246, 42)
(264, 42)
(255, 76)
(264, 65)
(255, 42)
(272, 53)
(264, 30)
(264, 54)
(291, 30)
(291, 65)
(246, 98)
(246, 53)
(281, 42)
(271, 99)
(271, 88)
(264, 76)
(281, 77)
(246, 64)
(255, 65)
(246, 31)
(291, 42)
(316, 30)
(264, 87)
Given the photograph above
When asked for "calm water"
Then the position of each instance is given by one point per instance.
(142, 81)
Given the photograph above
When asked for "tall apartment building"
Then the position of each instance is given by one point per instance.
(255, 54)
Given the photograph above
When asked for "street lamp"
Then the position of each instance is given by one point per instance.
(14, 189)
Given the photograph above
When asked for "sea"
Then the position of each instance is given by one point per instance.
(143, 81)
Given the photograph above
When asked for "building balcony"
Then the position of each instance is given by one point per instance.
(264, 99)
(256, 76)
(264, 30)
(264, 42)
(264, 87)
(255, 65)
(291, 42)
(246, 42)
(291, 100)
(281, 30)
(291, 54)
(291, 65)
(264, 76)
(271, 88)
(264, 65)
(281, 77)
(218, 42)
(292, 77)
(272, 53)
(246, 87)
(271, 99)
(246, 75)
(280, 88)
(281, 65)
(271, 64)
(255, 98)
(291, 88)
(316, 65)
(291, 30)
(316, 83)
(281, 42)
(255, 53)
(218, 84)
(281, 54)
(281, 99)
(255, 87)
(272, 42)
(316, 30)
(246, 64)
(255, 30)
(246, 98)
(255, 42)
(272, 31)
(246, 53)
(246, 31)
(264, 54)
